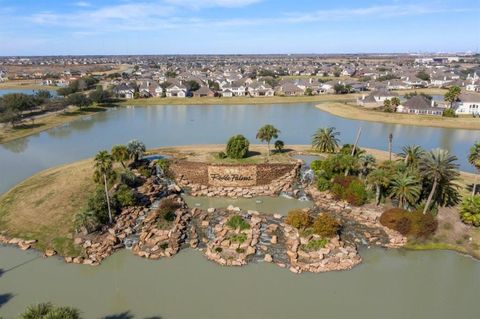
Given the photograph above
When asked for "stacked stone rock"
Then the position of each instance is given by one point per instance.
(228, 254)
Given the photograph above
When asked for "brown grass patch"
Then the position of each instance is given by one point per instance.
(42, 207)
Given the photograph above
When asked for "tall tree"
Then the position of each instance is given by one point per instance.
(439, 168)
(104, 168)
(120, 154)
(266, 133)
(395, 102)
(411, 155)
(380, 180)
(390, 141)
(406, 188)
(325, 140)
(136, 149)
(452, 95)
(474, 160)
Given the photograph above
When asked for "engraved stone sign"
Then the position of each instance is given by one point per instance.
(232, 176)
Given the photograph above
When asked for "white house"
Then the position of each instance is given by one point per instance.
(468, 103)
(3, 76)
(176, 90)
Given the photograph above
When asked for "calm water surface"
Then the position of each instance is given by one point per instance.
(182, 125)
(24, 91)
(390, 284)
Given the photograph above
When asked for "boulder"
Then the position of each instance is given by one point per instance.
(268, 258)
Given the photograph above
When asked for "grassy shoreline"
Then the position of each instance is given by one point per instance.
(26, 85)
(359, 113)
(43, 123)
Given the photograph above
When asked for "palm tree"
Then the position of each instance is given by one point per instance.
(366, 162)
(411, 155)
(136, 149)
(266, 133)
(380, 180)
(390, 140)
(395, 102)
(325, 140)
(406, 188)
(438, 167)
(452, 95)
(104, 168)
(474, 160)
(120, 154)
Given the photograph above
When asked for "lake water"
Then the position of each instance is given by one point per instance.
(181, 125)
(24, 91)
(389, 284)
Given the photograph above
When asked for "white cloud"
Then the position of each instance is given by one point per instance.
(83, 4)
(197, 4)
(151, 16)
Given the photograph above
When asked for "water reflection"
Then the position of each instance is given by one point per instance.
(16, 146)
(207, 124)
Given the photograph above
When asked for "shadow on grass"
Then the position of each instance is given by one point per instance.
(27, 126)
(252, 154)
(4, 298)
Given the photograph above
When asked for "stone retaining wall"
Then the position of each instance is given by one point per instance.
(247, 180)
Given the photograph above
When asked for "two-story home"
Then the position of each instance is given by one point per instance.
(468, 103)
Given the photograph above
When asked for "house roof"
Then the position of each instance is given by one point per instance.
(418, 102)
(469, 97)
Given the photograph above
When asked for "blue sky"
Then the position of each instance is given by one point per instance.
(47, 27)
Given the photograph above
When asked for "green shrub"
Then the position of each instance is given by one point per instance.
(240, 250)
(316, 166)
(238, 238)
(87, 220)
(237, 222)
(323, 184)
(326, 226)
(338, 191)
(356, 194)
(470, 210)
(166, 213)
(163, 246)
(130, 179)
(449, 113)
(349, 188)
(47, 310)
(237, 147)
(125, 196)
(315, 244)
(221, 155)
(164, 165)
(145, 171)
(97, 203)
(299, 219)
(218, 249)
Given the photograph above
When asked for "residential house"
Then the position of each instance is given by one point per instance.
(125, 90)
(419, 104)
(204, 91)
(176, 90)
(258, 89)
(468, 103)
(376, 98)
(290, 89)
